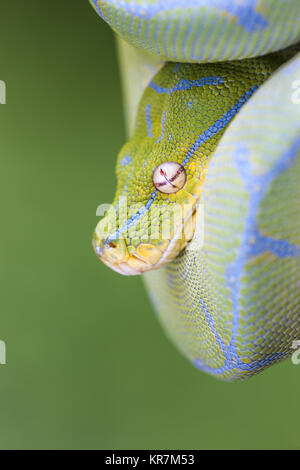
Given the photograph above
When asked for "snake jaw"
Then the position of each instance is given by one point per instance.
(116, 256)
(131, 261)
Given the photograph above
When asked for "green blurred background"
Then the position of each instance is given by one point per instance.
(88, 365)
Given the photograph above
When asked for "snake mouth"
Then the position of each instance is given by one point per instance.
(134, 260)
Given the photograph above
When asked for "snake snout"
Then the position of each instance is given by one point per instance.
(131, 259)
(156, 245)
(115, 255)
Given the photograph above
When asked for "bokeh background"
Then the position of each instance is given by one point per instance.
(88, 365)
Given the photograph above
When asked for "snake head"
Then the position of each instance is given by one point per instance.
(152, 217)
(160, 172)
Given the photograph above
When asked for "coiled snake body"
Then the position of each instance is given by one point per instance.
(229, 121)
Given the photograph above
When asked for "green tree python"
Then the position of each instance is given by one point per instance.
(217, 133)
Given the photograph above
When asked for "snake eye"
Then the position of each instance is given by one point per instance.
(169, 177)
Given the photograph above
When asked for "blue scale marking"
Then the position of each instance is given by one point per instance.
(212, 130)
(211, 323)
(281, 248)
(126, 160)
(187, 84)
(246, 15)
(98, 9)
(135, 218)
(126, 184)
(148, 120)
(219, 124)
(209, 318)
(230, 365)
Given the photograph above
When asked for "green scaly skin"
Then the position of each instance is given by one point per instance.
(231, 304)
(161, 135)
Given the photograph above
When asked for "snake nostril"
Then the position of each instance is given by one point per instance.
(169, 177)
